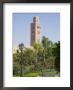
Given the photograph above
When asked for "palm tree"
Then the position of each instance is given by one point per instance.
(37, 46)
(45, 44)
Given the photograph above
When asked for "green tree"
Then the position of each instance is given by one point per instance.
(29, 56)
(56, 52)
(42, 57)
(16, 63)
(48, 52)
(37, 48)
(45, 45)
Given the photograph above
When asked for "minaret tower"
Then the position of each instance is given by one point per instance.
(35, 31)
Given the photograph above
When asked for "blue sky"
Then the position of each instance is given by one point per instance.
(50, 24)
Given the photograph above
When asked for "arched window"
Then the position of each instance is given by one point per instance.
(38, 27)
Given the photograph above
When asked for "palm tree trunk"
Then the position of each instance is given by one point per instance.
(36, 55)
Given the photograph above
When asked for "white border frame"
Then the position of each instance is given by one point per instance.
(64, 79)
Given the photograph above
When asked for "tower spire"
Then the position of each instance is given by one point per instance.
(35, 31)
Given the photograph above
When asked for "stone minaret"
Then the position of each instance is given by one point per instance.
(35, 31)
